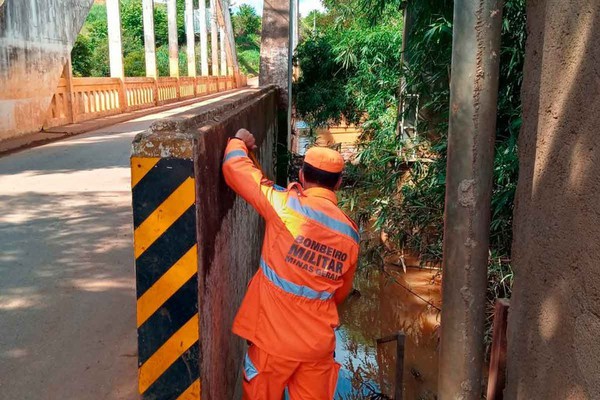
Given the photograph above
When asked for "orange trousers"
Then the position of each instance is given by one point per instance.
(266, 377)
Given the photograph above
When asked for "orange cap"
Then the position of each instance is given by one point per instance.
(325, 159)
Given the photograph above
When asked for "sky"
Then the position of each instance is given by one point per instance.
(306, 6)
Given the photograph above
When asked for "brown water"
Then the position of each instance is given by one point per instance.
(390, 301)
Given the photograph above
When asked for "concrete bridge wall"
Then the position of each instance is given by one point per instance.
(554, 320)
(36, 37)
(228, 235)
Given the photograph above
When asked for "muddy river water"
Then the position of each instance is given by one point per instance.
(390, 301)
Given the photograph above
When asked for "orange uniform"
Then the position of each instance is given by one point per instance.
(309, 257)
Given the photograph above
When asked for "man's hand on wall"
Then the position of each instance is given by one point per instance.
(247, 138)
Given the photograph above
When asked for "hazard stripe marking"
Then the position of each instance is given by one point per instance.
(164, 216)
(166, 251)
(178, 377)
(140, 167)
(166, 260)
(163, 324)
(192, 393)
(166, 355)
(167, 285)
(158, 184)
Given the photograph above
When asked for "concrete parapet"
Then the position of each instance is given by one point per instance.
(208, 243)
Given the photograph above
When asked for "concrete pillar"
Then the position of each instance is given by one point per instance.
(554, 318)
(471, 134)
(191, 40)
(149, 42)
(295, 24)
(115, 48)
(230, 51)
(173, 45)
(275, 54)
(214, 39)
(223, 55)
(203, 37)
(275, 68)
(35, 41)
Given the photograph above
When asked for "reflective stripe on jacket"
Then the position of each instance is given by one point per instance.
(307, 265)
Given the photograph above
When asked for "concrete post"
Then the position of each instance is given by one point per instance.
(68, 74)
(275, 46)
(473, 100)
(214, 39)
(191, 40)
(115, 48)
(173, 45)
(275, 68)
(224, 20)
(203, 37)
(149, 42)
(222, 48)
(295, 25)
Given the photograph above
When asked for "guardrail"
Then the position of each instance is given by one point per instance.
(80, 99)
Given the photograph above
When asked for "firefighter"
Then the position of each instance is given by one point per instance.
(307, 266)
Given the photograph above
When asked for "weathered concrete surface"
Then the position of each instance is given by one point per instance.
(36, 37)
(554, 320)
(67, 283)
(229, 231)
(275, 47)
(230, 235)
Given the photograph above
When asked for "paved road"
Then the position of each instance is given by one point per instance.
(67, 284)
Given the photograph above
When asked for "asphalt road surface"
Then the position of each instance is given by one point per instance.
(67, 283)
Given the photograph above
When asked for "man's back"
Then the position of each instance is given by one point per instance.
(307, 265)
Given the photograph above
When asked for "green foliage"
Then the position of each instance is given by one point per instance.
(399, 184)
(247, 25)
(320, 93)
(246, 21)
(90, 54)
(81, 57)
(134, 63)
(100, 61)
(249, 60)
(162, 60)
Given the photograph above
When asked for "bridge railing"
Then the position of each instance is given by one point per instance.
(81, 99)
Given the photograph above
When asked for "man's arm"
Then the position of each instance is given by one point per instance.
(246, 179)
(341, 294)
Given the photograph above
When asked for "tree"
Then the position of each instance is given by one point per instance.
(246, 26)
(81, 57)
(246, 21)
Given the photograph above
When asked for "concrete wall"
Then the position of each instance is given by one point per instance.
(230, 235)
(36, 37)
(229, 232)
(554, 320)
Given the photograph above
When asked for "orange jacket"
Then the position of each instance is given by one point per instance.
(307, 266)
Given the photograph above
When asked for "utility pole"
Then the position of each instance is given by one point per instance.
(471, 133)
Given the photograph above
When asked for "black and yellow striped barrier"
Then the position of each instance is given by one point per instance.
(164, 217)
